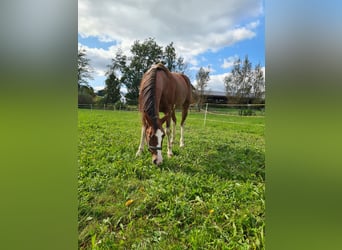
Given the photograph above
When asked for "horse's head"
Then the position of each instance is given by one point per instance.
(154, 139)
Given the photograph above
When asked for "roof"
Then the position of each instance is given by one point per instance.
(213, 93)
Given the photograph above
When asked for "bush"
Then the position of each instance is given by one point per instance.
(246, 112)
(85, 99)
(101, 102)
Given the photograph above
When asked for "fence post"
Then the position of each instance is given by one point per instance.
(205, 113)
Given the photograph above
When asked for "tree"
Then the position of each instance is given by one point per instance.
(86, 95)
(132, 68)
(181, 65)
(245, 80)
(84, 69)
(231, 81)
(171, 61)
(202, 78)
(144, 55)
(112, 89)
(244, 83)
(169, 57)
(258, 83)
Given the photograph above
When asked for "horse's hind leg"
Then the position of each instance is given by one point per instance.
(184, 115)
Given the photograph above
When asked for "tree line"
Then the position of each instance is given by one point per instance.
(127, 70)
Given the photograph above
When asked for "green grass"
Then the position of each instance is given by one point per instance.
(210, 195)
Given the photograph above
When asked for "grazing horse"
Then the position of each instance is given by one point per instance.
(162, 91)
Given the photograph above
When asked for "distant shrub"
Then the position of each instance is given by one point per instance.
(246, 112)
(85, 99)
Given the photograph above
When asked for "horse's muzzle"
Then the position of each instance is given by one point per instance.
(157, 159)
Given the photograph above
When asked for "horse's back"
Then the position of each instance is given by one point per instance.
(170, 88)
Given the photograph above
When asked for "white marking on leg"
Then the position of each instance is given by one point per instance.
(169, 142)
(159, 135)
(181, 144)
(173, 132)
(168, 131)
(141, 146)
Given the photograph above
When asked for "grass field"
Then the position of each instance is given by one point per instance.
(210, 195)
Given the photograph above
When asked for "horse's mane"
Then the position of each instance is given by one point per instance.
(147, 100)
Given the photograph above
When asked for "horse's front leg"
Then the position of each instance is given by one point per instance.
(173, 135)
(184, 115)
(142, 140)
(169, 137)
(181, 141)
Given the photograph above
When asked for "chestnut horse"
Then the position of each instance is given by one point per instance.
(162, 91)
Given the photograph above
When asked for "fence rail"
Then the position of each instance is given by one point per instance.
(231, 109)
(210, 111)
(207, 108)
(109, 106)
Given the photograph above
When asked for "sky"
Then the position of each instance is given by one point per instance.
(205, 33)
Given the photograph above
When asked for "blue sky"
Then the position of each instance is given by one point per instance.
(203, 32)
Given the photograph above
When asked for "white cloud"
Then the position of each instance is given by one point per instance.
(263, 70)
(193, 26)
(99, 58)
(215, 83)
(229, 62)
(253, 25)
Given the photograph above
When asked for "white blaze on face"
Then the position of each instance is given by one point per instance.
(159, 135)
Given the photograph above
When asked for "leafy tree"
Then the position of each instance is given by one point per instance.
(144, 55)
(258, 83)
(243, 82)
(181, 66)
(202, 78)
(112, 89)
(86, 95)
(84, 68)
(171, 61)
(169, 57)
(132, 68)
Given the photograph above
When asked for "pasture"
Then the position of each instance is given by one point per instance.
(210, 195)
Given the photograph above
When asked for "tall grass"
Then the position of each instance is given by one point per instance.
(210, 195)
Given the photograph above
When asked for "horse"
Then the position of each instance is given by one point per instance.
(162, 91)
